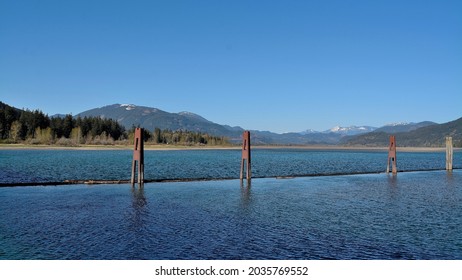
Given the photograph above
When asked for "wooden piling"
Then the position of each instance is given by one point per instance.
(449, 153)
(246, 157)
(392, 155)
(138, 156)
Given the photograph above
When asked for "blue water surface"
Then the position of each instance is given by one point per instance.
(416, 215)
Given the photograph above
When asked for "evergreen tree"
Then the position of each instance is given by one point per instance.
(68, 125)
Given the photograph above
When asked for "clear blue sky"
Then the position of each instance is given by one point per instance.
(268, 65)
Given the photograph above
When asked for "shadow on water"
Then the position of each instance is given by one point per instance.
(393, 187)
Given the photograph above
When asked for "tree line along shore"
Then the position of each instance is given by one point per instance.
(35, 128)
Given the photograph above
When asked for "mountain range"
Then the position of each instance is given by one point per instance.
(132, 115)
(428, 135)
(412, 134)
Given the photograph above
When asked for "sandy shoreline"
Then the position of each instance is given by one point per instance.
(175, 148)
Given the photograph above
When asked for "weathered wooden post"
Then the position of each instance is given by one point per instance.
(246, 158)
(392, 155)
(449, 153)
(138, 156)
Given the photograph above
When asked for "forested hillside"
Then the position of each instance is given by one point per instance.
(34, 127)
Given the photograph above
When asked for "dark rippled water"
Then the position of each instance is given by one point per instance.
(415, 215)
(31, 166)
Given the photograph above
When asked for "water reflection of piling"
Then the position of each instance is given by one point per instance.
(393, 189)
(139, 199)
(245, 193)
(139, 204)
(392, 181)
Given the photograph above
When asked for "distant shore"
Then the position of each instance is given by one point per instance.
(236, 147)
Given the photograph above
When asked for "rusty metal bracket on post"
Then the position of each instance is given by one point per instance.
(246, 158)
(392, 155)
(449, 153)
(138, 156)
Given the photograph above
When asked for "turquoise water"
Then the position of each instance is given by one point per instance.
(32, 166)
(416, 215)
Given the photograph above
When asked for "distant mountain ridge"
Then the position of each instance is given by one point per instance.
(403, 127)
(427, 136)
(150, 118)
(350, 130)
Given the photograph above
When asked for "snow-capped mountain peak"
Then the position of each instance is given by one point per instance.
(350, 130)
(128, 107)
(308, 131)
(337, 129)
